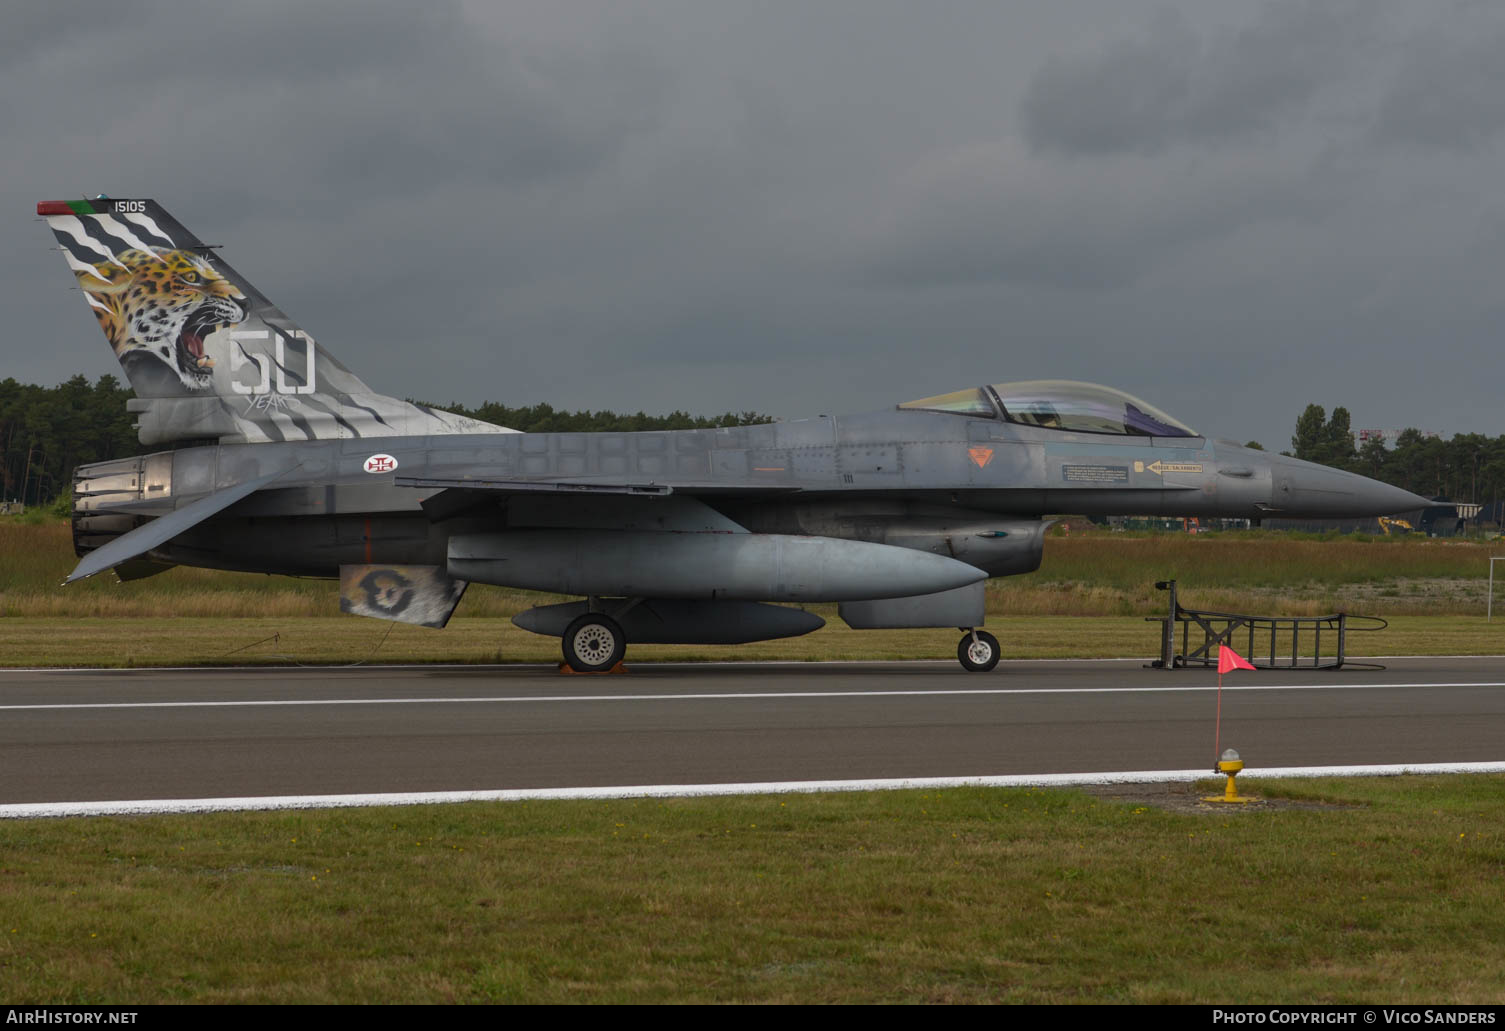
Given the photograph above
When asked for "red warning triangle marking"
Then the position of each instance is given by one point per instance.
(981, 455)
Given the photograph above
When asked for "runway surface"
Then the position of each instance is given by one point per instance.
(182, 734)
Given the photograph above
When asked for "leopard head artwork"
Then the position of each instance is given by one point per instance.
(163, 303)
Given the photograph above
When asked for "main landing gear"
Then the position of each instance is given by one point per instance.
(978, 650)
(594, 643)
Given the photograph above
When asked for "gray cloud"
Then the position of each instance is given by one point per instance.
(668, 204)
(1450, 91)
(996, 214)
(1171, 84)
(371, 98)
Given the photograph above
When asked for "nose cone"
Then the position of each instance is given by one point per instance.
(1305, 490)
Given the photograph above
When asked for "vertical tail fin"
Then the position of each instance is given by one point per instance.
(206, 353)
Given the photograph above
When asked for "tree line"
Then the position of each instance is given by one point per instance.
(543, 418)
(46, 431)
(1467, 467)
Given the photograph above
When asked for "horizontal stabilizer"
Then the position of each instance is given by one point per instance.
(159, 531)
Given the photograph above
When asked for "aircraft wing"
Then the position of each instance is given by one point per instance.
(458, 495)
(159, 531)
(592, 487)
(534, 486)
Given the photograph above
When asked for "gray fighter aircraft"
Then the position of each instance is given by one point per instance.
(277, 459)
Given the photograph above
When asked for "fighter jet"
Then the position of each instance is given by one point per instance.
(275, 458)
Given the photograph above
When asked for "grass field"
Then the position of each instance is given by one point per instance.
(118, 641)
(1088, 600)
(1390, 890)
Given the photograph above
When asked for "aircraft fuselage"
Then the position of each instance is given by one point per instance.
(901, 477)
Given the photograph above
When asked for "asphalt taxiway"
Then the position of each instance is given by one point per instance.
(86, 735)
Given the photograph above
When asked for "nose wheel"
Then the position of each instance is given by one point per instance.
(978, 651)
(593, 643)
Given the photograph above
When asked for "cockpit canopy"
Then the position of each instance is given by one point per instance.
(1059, 404)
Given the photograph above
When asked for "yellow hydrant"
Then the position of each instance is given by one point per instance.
(1230, 764)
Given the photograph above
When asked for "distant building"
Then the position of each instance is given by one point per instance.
(1367, 435)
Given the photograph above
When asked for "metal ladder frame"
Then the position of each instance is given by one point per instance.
(1218, 628)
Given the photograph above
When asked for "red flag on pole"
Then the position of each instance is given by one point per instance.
(1230, 660)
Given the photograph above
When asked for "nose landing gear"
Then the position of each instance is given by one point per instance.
(978, 650)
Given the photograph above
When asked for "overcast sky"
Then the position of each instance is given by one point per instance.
(1231, 209)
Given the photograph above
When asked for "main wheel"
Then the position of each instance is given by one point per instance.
(979, 655)
(593, 643)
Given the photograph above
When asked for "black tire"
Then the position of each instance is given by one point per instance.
(593, 643)
(979, 656)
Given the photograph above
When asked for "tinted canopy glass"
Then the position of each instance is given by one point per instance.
(971, 401)
(1084, 408)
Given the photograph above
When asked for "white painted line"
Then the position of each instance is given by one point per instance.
(477, 667)
(550, 667)
(311, 668)
(541, 667)
(213, 805)
(727, 696)
(1356, 658)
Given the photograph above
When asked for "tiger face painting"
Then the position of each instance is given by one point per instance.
(163, 303)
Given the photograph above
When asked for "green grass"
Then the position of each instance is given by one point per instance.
(1397, 893)
(1260, 573)
(117, 641)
